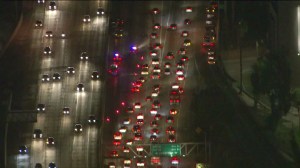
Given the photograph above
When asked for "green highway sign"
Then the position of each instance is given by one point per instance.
(166, 150)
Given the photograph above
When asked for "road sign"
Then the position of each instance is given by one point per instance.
(166, 150)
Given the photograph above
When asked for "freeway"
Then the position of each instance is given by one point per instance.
(27, 58)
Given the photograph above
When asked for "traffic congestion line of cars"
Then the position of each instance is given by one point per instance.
(152, 69)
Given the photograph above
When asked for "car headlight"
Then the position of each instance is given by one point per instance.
(75, 129)
(98, 13)
(45, 52)
(89, 19)
(84, 20)
(49, 52)
(86, 57)
(80, 129)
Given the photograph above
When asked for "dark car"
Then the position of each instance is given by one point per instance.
(38, 165)
(95, 75)
(92, 119)
(80, 87)
(50, 141)
(23, 149)
(56, 76)
(70, 70)
(100, 11)
(47, 50)
(40, 107)
(38, 23)
(52, 5)
(45, 78)
(37, 134)
(52, 165)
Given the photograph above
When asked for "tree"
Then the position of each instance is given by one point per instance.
(271, 76)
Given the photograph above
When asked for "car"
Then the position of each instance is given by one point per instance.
(66, 110)
(137, 83)
(170, 130)
(153, 35)
(138, 137)
(148, 99)
(155, 11)
(140, 116)
(173, 111)
(167, 71)
(70, 70)
(179, 71)
(140, 163)
(100, 11)
(95, 75)
(174, 98)
(154, 93)
(180, 77)
(188, 9)
(47, 50)
(144, 71)
(184, 58)
(45, 78)
(56, 76)
(187, 42)
(153, 138)
(156, 69)
(118, 33)
(154, 123)
(86, 18)
(129, 109)
(23, 149)
(184, 33)
(114, 153)
(126, 121)
(156, 87)
(209, 36)
(155, 75)
(174, 160)
(52, 165)
(180, 64)
(40, 1)
(80, 87)
(154, 131)
(38, 165)
(126, 149)
(182, 51)
(208, 42)
(113, 69)
(210, 9)
(38, 23)
(52, 5)
(136, 129)
(118, 22)
(157, 117)
(137, 105)
(92, 119)
(78, 128)
(37, 134)
(156, 26)
(50, 141)
(84, 56)
(157, 46)
(49, 34)
(210, 22)
(123, 129)
(41, 107)
(156, 104)
(211, 60)
(135, 89)
(213, 4)
(127, 163)
(142, 79)
(187, 21)
(111, 165)
(171, 138)
(116, 142)
(170, 55)
(140, 121)
(153, 53)
(170, 119)
(129, 142)
(155, 61)
(172, 26)
(210, 15)
(153, 111)
(167, 65)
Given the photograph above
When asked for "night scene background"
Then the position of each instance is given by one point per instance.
(155, 84)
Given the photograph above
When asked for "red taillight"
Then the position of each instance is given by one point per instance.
(107, 119)
(117, 111)
(123, 103)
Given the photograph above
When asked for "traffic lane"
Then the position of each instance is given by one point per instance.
(122, 83)
(59, 61)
